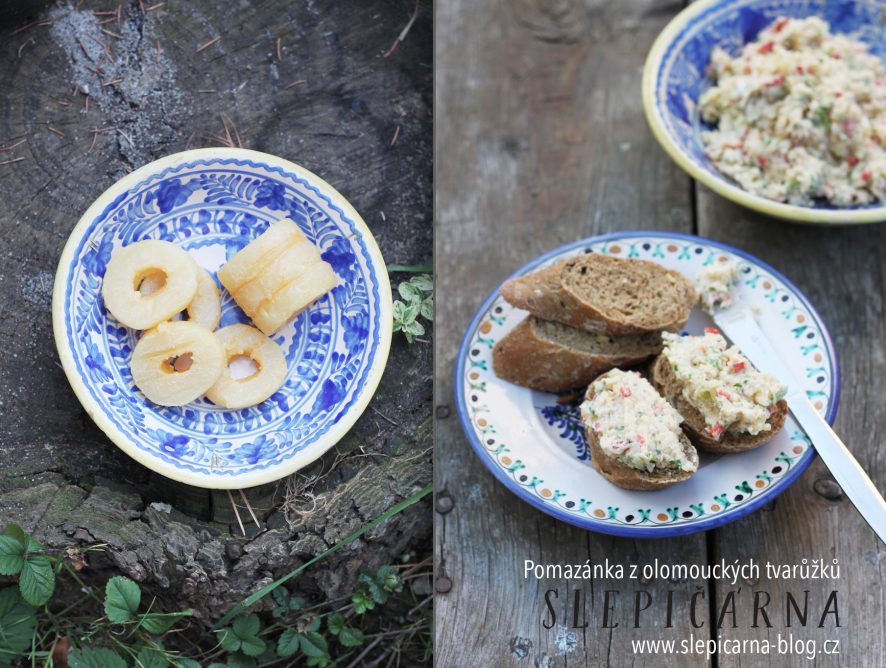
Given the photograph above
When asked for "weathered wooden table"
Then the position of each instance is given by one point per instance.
(541, 141)
(88, 95)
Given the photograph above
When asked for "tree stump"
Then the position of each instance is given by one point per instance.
(85, 102)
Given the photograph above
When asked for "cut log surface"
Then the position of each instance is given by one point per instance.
(84, 103)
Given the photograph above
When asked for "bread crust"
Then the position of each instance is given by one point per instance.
(626, 477)
(664, 380)
(545, 294)
(524, 358)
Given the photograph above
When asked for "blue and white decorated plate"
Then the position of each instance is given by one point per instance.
(674, 78)
(533, 441)
(212, 202)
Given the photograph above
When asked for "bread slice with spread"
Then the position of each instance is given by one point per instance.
(552, 357)
(634, 434)
(727, 405)
(605, 294)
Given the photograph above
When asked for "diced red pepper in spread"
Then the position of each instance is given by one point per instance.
(711, 330)
(767, 47)
(738, 366)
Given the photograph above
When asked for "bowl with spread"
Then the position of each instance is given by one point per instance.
(777, 106)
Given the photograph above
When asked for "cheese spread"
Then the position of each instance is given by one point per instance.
(634, 424)
(800, 116)
(722, 384)
(713, 284)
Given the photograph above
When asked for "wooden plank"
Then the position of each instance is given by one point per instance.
(540, 141)
(841, 271)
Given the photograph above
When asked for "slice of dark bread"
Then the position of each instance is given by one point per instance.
(552, 357)
(626, 477)
(669, 386)
(606, 294)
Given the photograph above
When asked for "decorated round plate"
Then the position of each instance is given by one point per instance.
(533, 442)
(212, 202)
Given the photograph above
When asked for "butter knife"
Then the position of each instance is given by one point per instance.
(738, 324)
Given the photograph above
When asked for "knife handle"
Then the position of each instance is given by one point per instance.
(848, 473)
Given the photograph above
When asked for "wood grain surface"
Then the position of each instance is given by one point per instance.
(541, 140)
(90, 94)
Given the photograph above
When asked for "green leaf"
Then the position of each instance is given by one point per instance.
(424, 282)
(296, 603)
(351, 637)
(281, 596)
(161, 622)
(186, 663)
(230, 642)
(362, 602)
(122, 598)
(11, 555)
(399, 311)
(18, 620)
(410, 313)
(287, 643)
(16, 532)
(415, 328)
(247, 626)
(335, 623)
(252, 646)
(91, 657)
(148, 657)
(37, 580)
(427, 309)
(389, 579)
(409, 292)
(313, 644)
(239, 660)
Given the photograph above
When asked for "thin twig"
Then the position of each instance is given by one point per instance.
(396, 134)
(9, 162)
(420, 605)
(44, 22)
(208, 44)
(100, 43)
(58, 132)
(279, 51)
(153, 7)
(249, 507)
(295, 83)
(236, 512)
(371, 646)
(383, 416)
(110, 33)
(3, 149)
(403, 33)
(21, 48)
(158, 49)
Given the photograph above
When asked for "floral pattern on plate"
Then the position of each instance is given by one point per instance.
(212, 203)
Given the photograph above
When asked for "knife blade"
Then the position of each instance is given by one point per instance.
(739, 325)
